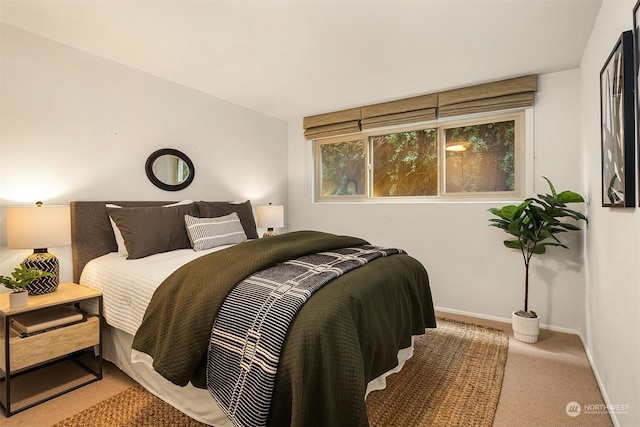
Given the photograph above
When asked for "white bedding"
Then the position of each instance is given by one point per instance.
(127, 287)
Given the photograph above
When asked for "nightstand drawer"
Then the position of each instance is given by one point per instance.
(43, 347)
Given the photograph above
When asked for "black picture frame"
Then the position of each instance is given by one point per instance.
(636, 74)
(618, 129)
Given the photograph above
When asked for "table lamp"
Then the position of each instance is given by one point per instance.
(39, 227)
(270, 217)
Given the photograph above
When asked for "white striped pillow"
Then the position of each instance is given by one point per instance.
(207, 233)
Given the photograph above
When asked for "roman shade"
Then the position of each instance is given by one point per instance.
(409, 110)
(502, 95)
(332, 124)
(518, 92)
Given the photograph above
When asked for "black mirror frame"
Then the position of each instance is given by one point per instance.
(168, 187)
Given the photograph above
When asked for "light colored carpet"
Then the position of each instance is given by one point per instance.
(454, 378)
(542, 379)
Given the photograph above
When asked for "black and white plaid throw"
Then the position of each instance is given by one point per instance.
(252, 323)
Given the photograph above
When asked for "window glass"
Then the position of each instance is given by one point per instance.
(405, 164)
(480, 158)
(344, 167)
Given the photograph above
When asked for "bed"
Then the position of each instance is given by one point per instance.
(353, 332)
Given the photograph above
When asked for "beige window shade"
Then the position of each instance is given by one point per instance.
(332, 124)
(490, 104)
(409, 110)
(511, 93)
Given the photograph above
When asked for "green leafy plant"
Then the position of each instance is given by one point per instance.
(21, 277)
(535, 224)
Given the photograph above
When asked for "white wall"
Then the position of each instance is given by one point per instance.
(613, 240)
(469, 268)
(79, 127)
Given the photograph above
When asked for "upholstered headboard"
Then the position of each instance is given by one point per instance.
(91, 232)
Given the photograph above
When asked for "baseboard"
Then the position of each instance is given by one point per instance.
(471, 314)
(506, 320)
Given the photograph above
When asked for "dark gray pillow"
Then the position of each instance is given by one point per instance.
(151, 230)
(244, 211)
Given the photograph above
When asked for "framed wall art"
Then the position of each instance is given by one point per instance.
(636, 73)
(617, 118)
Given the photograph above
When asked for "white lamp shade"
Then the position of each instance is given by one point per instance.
(270, 216)
(38, 227)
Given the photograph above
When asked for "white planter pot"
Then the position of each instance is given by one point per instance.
(525, 329)
(18, 299)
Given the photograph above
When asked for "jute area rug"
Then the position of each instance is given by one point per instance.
(453, 379)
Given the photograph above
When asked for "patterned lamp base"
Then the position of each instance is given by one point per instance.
(269, 233)
(43, 260)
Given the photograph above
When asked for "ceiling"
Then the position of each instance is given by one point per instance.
(289, 59)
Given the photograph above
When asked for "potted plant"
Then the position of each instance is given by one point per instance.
(534, 224)
(18, 282)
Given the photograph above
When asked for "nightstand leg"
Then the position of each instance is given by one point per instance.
(7, 368)
(100, 337)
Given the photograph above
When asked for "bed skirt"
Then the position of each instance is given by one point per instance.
(195, 402)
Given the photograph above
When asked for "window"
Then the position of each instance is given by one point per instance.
(471, 158)
(480, 158)
(344, 168)
(405, 163)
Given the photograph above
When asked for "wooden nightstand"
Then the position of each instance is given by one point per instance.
(21, 356)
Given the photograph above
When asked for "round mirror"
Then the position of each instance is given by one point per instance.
(170, 169)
